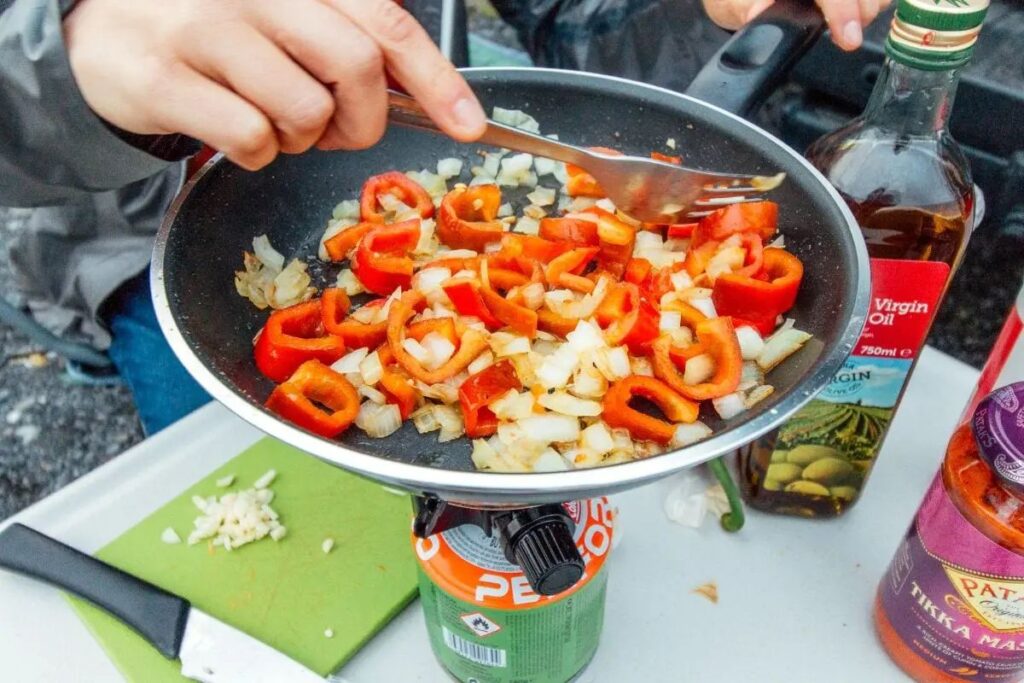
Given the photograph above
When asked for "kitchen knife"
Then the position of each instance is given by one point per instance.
(209, 650)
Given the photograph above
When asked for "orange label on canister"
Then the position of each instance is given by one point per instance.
(470, 566)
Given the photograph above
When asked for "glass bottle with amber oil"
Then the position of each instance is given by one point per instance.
(909, 186)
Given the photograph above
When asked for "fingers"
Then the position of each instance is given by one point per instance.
(201, 108)
(297, 105)
(414, 61)
(868, 11)
(844, 20)
(342, 57)
(757, 8)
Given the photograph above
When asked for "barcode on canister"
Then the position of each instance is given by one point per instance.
(481, 654)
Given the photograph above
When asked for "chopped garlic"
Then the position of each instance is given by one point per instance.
(670, 143)
(327, 545)
(328, 633)
(225, 482)
(266, 480)
(170, 536)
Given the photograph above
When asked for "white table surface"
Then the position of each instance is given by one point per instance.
(795, 595)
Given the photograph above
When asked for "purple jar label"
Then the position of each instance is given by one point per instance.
(955, 597)
(999, 430)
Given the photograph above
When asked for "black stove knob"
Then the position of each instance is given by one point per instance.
(540, 541)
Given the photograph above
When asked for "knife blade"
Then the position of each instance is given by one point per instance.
(210, 650)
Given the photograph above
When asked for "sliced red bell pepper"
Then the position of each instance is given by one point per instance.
(617, 412)
(531, 247)
(658, 156)
(657, 284)
(381, 261)
(756, 300)
(442, 326)
(292, 336)
(471, 344)
(616, 239)
(558, 325)
(637, 270)
(334, 307)
(468, 215)
(407, 190)
(481, 389)
(576, 231)
(400, 390)
(313, 383)
(520, 318)
(679, 356)
(718, 339)
(564, 270)
(634, 321)
(465, 297)
(341, 245)
(356, 334)
(581, 183)
(505, 279)
(680, 230)
(454, 264)
(759, 217)
(690, 315)
(754, 261)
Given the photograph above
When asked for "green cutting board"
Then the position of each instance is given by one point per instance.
(285, 593)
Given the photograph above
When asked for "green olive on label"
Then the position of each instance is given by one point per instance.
(847, 493)
(771, 485)
(779, 456)
(783, 472)
(807, 488)
(828, 471)
(806, 453)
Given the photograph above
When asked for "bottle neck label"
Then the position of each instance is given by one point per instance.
(829, 447)
(954, 597)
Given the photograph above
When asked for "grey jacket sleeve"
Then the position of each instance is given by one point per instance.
(53, 147)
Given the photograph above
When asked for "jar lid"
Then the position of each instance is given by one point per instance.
(935, 34)
(999, 431)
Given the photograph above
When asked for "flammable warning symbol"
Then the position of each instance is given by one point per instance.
(479, 624)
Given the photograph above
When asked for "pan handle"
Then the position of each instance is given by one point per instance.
(757, 58)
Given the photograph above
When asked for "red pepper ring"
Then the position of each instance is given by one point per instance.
(617, 412)
(334, 307)
(356, 334)
(407, 190)
(755, 299)
(558, 325)
(315, 383)
(718, 339)
(582, 233)
(753, 263)
(472, 343)
(293, 335)
(341, 245)
(442, 326)
(520, 318)
(465, 297)
(467, 217)
(564, 270)
(481, 389)
(377, 263)
(760, 217)
(400, 390)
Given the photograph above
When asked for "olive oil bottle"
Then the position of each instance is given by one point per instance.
(909, 186)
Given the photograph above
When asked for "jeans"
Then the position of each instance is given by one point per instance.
(163, 390)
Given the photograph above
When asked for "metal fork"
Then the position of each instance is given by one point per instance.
(644, 189)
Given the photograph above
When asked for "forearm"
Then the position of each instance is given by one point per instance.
(52, 146)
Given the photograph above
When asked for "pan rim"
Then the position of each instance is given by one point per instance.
(508, 487)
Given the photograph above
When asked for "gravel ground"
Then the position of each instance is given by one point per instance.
(53, 430)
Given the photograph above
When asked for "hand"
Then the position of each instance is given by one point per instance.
(846, 18)
(253, 78)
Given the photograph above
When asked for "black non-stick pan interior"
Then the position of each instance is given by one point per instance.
(291, 200)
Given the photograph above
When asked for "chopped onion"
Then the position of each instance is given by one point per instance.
(567, 404)
(725, 261)
(670, 320)
(751, 374)
(505, 210)
(581, 204)
(687, 434)
(528, 226)
(554, 372)
(597, 438)
(544, 166)
(416, 350)
(698, 369)
(442, 391)
(378, 421)
(682, 337)
(481, 362)
(589, 383)
(346, 209)
(427, 244)
(486, 457)
(349, 363)
(451, 423)
(758, 394)
(364, 314)
(449, 168)
(705, 306)
(751, 344)
(428, 281)
(641, 366)
(369, 392)
(505, 344)
(781, 346)
(370, 368)
(542, 196)
(533, 295)
(535, 212)
(482, 180)
(550, 461)
(170, 536)
(586, 337)
(550, 428)
(613, 363)
(583, 457)
(267, 255)
(435, 185)
(730, 405)
(646, 241)
(606, 204)
(516, 119)
(424, 419)
(291, 286)
(348, 281)
(439, 348)
(513, 405)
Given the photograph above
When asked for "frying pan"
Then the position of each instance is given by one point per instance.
(213, 221)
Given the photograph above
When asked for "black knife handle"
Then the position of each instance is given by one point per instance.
(757, 58)
(157, 616)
